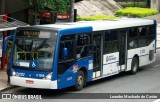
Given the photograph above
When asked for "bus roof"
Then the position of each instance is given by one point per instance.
(102, 24)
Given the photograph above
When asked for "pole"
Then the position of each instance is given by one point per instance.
(75, 15)
(3, 53)
(72, 11)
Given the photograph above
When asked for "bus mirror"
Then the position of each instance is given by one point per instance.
(5, 42)
(65, 52)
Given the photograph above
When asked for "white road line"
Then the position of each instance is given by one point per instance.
(157, 65)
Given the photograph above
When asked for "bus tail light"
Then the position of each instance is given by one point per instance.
(48, 77)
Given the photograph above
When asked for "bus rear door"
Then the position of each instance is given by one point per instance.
(97, 55)
(122, 49)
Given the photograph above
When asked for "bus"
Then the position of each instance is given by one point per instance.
(57, 56)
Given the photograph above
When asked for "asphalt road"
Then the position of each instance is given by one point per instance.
(158, 35)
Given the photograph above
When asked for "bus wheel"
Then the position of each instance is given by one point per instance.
(134, 66)
(79, 81)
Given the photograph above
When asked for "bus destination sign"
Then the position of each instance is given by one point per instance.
(34, 33)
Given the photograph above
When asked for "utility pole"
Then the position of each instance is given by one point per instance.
(72, 10)
(148, 3)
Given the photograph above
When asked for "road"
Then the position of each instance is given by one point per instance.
(147, 80)
(158, 35)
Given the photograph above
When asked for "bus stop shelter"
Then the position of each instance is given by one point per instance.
(7, 24)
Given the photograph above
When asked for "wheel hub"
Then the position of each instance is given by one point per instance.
(80, 80)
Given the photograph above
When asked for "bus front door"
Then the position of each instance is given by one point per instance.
(123, 49)
(97, 55)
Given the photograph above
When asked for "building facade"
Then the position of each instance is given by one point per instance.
(14, 8)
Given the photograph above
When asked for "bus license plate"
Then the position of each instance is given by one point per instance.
(29, 81)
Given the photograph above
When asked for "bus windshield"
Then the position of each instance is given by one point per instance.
(34, 53)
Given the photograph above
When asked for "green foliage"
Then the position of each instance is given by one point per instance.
(136, 12)
(42, 5)
(61, 6)
(95, 17)
(132, 4)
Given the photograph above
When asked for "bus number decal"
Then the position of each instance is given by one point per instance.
(40, 75)
(142, 51)
(69, 78)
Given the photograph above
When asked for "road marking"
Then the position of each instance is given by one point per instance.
(157, 65)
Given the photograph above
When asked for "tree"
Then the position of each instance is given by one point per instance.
(148, 3)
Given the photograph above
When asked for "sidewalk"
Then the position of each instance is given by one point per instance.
(3, 81)
(155, 17)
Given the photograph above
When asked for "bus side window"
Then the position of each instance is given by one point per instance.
(133, 38)
(67, 41)
(65, 62)
(151, 34)
(142, 36)
(152, 30)
(111, 42)
(84, 47)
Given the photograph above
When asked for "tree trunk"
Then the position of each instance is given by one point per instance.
(148, 3)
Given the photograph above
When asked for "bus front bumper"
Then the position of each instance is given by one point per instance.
(33, 83)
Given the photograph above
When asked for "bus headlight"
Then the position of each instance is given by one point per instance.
(48, 77)
(14, 73)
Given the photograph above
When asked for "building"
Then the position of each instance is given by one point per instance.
(14, 8)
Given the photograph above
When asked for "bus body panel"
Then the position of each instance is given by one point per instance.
(33, 83)
(76, 30)
(143, 54)
(68, 78)
(34, 79)
(30, 73)
(63, 32)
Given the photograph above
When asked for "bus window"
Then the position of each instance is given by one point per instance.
(111, 35)
(133, 38)
(152, 30)
(142, 31)
(151, 34)
(84, 47)
(111, 42)
(37, 50)
(67, 41)
(142, 36)
(64, 62)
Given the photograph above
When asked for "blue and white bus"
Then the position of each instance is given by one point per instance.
(57, 56)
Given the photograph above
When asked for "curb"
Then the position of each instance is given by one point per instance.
(8, 88)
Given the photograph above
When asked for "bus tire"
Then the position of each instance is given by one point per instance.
(80, 80)
(134, 65)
